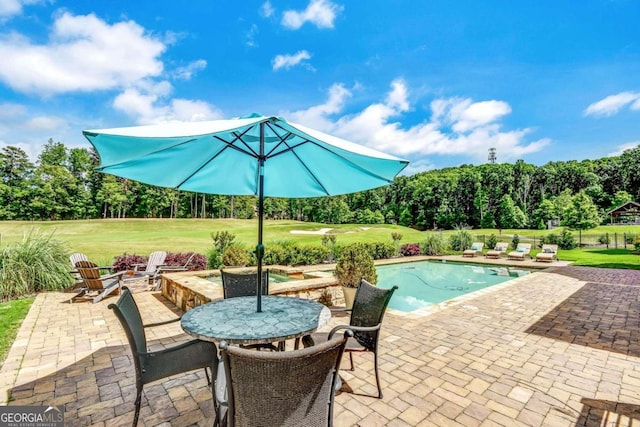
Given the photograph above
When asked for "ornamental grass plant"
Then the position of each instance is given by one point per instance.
(39, 262)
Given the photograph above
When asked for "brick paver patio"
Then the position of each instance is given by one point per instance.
(554, 348)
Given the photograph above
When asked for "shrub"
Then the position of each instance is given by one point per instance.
(381, 250)
(515, 241)
(564, 240)
(630, 238)
(310, 254)
(222, 240)
(355, 263)
(461, 240)
(603, 239)
(38, 263)
(492, 241)
(198, 262)
(235, 255)
(636, 243)
(127, 261)
(434, 244)
(277, 254)
(214, 258)
(410, 249)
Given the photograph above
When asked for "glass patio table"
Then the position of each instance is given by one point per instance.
(236, 321)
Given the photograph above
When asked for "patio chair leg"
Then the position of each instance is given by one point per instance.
(375, 368)
(351, 359)
(137, 403)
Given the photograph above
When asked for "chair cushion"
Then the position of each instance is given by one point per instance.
(547, 251)
(520, 250)
(475, 248)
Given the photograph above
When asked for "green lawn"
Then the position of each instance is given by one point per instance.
(102, 240)
(604, 258)
(11, 315)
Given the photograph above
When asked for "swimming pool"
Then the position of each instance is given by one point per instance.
(424, 283)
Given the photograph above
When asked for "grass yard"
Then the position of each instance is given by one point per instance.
(102, 240)
(11, 315)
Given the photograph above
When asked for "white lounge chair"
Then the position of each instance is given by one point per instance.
(474, 250)
(499, 250)
(548, 253)
(522, 251)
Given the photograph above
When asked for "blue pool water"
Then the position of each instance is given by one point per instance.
(424, 283)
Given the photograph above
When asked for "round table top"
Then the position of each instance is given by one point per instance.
(236, 321)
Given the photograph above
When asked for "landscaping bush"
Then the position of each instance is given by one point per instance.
(603, 239)
(410, 249)
(310, 254)
(381, 250)
(198, 262)
(564, 240)
(128, 261)
(492, 241)
(630, 238)
(38, 263)
(355, 263)
(461, 240)
(214, 258)
(277, 254)
(515, 241)
(434, 244)
(235, 255)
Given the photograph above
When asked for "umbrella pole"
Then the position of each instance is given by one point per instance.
(260, 247)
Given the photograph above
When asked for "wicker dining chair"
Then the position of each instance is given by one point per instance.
(154, 365)
(243, 284)
(286, 388)
(369, 306)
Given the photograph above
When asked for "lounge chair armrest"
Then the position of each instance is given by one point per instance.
(118, 274)
(340, 310)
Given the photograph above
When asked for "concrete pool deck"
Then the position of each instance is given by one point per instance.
(560, 347)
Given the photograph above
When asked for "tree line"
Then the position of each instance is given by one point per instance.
(62, 184)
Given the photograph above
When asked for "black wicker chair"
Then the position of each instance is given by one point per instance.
(243, 284)
(369, 306)
(289, 388)
(154, 365)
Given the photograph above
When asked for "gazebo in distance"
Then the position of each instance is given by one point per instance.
(627, 213)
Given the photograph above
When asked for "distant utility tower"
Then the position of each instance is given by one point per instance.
(492, 155)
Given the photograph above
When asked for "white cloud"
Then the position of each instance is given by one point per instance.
(189, 70)
(464, 115)
(456, 127)
(148, 106)
(45, 123)
(251, 36)
(622, 148)
(9, 8)
(612, 104)
(288, 61)
(267, 9)
(84, 53)
(320, 13)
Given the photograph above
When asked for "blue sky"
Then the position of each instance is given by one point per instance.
(437, 82)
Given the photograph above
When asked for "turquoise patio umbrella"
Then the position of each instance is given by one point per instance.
(263, 156)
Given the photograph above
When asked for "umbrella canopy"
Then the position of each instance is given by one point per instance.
(255, 155)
